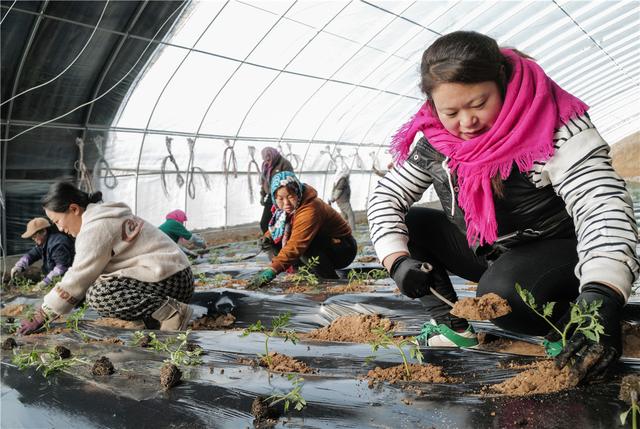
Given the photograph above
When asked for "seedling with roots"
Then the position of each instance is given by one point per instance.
(73, 320)
(359, 277)
(305, 273)
(277, 330)
(202, 278)
(293, 397)
(584, 318)
(45, 361)
(385, 339)
(176, 347)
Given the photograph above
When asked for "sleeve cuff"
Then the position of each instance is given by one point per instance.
(610, 272)
(391, 243)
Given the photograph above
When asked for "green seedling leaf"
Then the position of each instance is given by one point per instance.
(547, 309)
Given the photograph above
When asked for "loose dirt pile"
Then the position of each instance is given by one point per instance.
(487, 307)
(207, 323)
(107, 340)
(426, 373)
(352, 288)
(112, 322)
(354, 329)
(504, 345)
(284, 363)
(301, 289)
(13, 310)
(541, 377)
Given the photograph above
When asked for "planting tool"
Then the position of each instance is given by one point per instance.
(427, 267)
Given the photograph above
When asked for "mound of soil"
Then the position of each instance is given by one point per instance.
(629, 383)
(631, 340)
(284, 363)
(505, 345)
(103, 366)
(13, 310)
(62, 352)
(301, 289)
(9, 344)
(207, 323)
(170, 375)
(541, 377)
(487, 307)
(353, 329)
(107, 340)
(426, 373)
(112, 322)
(265, 416)
(348, 288)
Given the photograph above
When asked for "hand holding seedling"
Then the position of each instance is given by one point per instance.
(31, 325)
(597, 346)
(589, 332)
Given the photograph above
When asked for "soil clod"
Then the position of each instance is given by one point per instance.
(487, 307)
(426, 373)
(9, 344)
(103, 366)
(265, 416)
(62, 352)
(213, 322)
(170, 376)
(629, 383)
(284, 363)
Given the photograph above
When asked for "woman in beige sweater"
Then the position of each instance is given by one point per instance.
(124, 267)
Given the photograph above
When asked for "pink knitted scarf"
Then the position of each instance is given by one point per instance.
(534, 106)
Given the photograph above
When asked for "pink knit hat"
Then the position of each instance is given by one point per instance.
(177, 215)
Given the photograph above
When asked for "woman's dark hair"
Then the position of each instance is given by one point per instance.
(62, 194)
(464, 57)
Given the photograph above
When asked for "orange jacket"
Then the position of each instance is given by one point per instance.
(312, 217)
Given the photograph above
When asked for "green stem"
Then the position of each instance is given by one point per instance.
(266, 350)
(634, 414)
(549, 322)
(404, 360)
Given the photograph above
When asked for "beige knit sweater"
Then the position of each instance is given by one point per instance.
(113, 243)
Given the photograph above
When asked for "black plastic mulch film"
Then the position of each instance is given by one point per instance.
(219, 393)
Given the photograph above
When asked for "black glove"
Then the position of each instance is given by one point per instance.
(592, 359)
(265, 243)
(410, 278)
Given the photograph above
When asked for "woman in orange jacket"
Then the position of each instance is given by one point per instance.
(303, 226)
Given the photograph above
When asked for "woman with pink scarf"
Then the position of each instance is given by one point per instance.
(528, 194)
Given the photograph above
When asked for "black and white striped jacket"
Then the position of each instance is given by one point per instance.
(576, 192)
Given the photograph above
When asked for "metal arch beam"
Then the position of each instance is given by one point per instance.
(158, 42)
(362, 46)
(155, 105)
(16, 82)
(224, 85)
(105, 70)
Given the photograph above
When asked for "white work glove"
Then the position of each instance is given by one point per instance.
(15, 271)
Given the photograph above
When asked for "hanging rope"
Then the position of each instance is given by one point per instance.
(332, 160)
(191, 187)
(179, 178)
(228, 164)
(252, 154)
(83, 176)
(110, 179)
(358, 160)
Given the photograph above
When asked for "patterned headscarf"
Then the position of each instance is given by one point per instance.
(270, 157)
(281, 222)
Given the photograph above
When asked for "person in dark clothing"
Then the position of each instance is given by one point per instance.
(529, 197)
(54, 248)
(273, 162)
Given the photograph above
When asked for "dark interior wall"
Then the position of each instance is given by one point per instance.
(38, 40)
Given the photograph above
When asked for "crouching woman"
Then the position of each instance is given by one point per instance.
(303, 227)
(124, 267)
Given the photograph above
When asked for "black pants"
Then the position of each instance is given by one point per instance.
(544, 267)
(266, 214)
(331, 253)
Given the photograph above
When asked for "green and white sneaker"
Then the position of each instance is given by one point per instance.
(440, 335)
